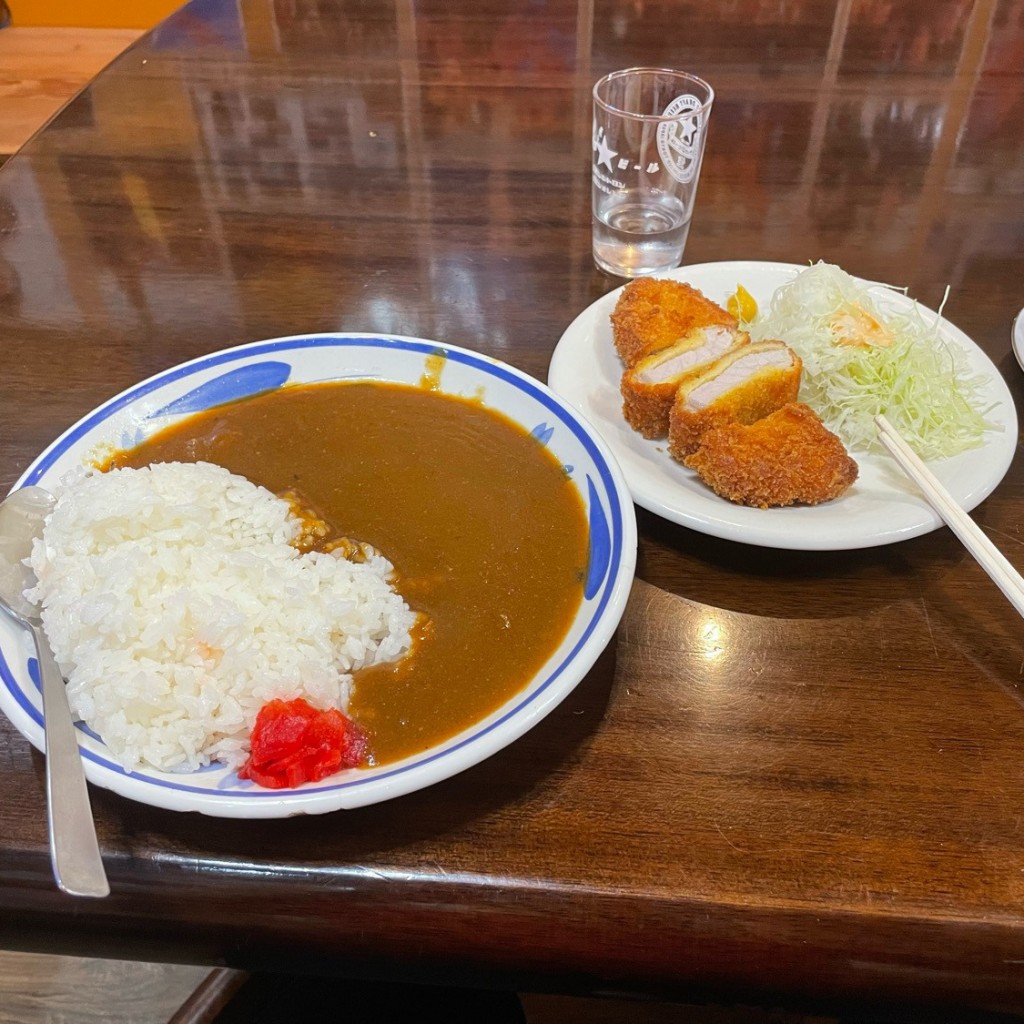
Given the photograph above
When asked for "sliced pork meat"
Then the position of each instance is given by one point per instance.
(652, 314)
(745, 384)
(649, 388)
(788, 457)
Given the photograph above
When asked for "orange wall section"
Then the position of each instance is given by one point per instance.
(91, 13)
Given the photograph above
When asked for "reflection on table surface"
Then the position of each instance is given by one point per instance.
(791, 775)
(897, 106)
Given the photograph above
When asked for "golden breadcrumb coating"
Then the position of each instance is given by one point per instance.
(646, 407)
(786, 458)
(652, 314)
(765, 390)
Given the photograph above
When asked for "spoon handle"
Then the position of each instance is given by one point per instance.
(74, 850)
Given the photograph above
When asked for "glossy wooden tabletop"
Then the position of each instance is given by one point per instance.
(793, 777)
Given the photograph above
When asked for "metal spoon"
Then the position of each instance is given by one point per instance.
(74, 850)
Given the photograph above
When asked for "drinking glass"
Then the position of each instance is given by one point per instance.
(648, 141)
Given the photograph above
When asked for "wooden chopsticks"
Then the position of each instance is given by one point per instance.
(988, 556)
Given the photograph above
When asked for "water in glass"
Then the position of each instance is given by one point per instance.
(636, 233)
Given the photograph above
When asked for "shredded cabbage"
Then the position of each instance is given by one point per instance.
(861, 360)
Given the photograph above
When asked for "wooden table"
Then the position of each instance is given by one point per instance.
(794, 778)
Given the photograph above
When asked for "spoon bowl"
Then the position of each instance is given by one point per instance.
(74, 850)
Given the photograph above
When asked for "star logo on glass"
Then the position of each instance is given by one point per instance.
(603, 150)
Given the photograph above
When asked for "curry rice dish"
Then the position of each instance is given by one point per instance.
(487, 534)
(194, 623)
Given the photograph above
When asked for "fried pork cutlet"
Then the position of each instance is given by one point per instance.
(786, 458)
(747, 383)
(649, 388)
(653, 314)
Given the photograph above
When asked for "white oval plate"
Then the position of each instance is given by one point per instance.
(211, 380)
(1017, 337)
(882, 506)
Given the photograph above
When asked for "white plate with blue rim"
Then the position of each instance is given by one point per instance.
(211, 380)
(882, 507)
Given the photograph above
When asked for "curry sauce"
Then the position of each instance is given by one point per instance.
(487, 533)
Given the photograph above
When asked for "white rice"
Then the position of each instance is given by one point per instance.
(177, 607)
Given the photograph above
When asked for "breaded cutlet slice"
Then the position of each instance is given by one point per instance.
(649, 388)
(745, 384)
(653, 313)
(788, 457)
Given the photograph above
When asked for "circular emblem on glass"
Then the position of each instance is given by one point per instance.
(679, 140)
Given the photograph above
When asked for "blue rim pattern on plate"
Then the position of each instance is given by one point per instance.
(608, 553)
